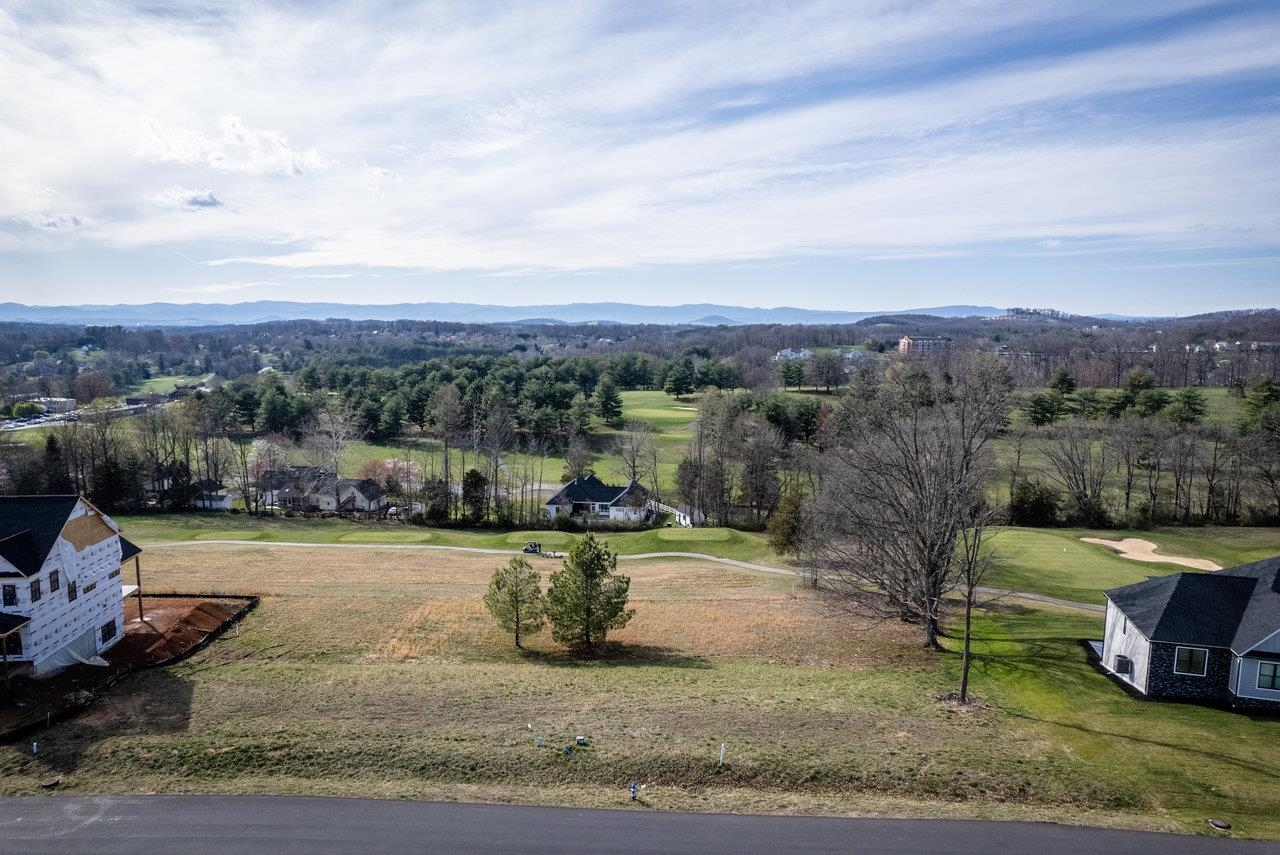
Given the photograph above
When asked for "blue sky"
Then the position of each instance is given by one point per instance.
(1095, 157)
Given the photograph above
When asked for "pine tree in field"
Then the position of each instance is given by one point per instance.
(586, 599)
(608, 401)
(515, 598)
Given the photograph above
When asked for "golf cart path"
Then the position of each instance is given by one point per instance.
(696, 556)
(1137, 549)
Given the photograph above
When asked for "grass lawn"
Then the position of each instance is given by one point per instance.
(670, 418)
(379, 674)
(1056, 563)
(165, 383)
(160, 528)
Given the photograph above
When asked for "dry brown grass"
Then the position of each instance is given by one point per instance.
(401, 605)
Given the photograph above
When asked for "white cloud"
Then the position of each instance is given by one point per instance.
(239, 149)
(187, 199)
(51, 221)
(523, 138)
(213, 288)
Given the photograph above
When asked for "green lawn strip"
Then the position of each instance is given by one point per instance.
(160, 528)
(1182, 760)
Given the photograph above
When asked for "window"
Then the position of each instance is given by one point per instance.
(88, 589)
(1191, 661)
(72, 593)
(13, 643)
(108, 631)
(1269, 676)
(54, 581)
(1124, 626)
(10, 595)
(113, 574)
(35, 590)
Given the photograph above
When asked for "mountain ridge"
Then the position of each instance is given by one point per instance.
(261, 311)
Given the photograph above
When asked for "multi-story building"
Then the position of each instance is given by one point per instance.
(907, 344)
(61, 589)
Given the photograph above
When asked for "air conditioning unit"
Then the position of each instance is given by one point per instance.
(1124, 665)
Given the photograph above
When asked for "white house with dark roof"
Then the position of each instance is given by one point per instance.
(61, 588)
(591, 499)
(1199, 636)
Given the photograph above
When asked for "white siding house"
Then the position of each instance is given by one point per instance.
(60, 580)
(1126, 652)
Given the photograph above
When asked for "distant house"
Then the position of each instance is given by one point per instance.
(61, 592)
(211, 496)
(314, 488)
(591, 499)
(907, 344)
(1199, 636)
(787, 355)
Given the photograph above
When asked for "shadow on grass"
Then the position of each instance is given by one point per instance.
(614, 654)
(146, 703)
(1057, 661)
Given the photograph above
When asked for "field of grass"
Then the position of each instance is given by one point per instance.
(670, 418)
(146, 529)
(165, 383)
(1056, 563)
(378, 674)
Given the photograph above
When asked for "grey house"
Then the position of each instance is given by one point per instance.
(1211, 637)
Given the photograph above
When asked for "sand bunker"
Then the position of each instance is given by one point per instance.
(1144, 550)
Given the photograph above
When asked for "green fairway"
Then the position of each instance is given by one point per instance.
(1056, 563)
(166, 383)
(160, 528)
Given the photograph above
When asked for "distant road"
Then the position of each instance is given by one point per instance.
(697, 556)
(229, 825)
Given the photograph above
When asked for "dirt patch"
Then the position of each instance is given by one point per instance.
(172, 627)
(1144, 550)
(169, 628)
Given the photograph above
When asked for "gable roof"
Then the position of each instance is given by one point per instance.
(589, 488)
(1235, 608)
(29, 527)
(367, 487)
(128, 549)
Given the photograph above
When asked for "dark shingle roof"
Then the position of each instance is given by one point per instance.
(29, 527)
(128, 549)
(589, 488)
(1235, 608)
(8, 622)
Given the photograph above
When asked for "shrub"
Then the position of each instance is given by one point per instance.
(1033, 503)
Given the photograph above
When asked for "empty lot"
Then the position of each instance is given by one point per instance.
(375, 672)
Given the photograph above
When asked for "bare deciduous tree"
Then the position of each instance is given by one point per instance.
(1078, 462)
(634, 448)
(327, 441)
(903, 471)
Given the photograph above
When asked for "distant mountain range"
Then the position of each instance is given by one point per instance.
(204, 314)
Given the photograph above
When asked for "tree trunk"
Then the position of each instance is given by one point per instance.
(965, 657)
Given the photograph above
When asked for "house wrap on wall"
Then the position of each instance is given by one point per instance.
(61, 587)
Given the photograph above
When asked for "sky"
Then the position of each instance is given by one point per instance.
(1088, 156)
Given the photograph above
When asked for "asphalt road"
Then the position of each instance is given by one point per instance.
(308, 826)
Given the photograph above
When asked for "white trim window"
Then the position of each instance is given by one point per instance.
(1269, 676)
(1191, 661)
